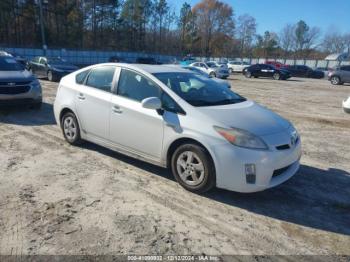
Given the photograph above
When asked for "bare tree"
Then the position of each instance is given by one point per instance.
(287, 38)
(246, 31)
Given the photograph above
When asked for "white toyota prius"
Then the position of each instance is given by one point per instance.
(207, 134)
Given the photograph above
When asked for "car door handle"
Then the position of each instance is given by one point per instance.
(81, 96)
(116, 109)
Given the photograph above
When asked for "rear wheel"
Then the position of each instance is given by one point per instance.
(70, 128)
(51, 77)
(248, 74)
(335, 80)
(212, 74)
(193, 168)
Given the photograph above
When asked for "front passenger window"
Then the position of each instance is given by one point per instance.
(101, 78)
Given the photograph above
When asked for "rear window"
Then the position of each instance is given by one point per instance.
(8, 63)
(80, 78)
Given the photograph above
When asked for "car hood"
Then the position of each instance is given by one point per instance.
(64, 67)
(221, 81)
(249, 116)
(16, 76)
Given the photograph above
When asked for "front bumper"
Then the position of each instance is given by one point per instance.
(33, 96)
(222, 75)
(346, 106)
(273, 167)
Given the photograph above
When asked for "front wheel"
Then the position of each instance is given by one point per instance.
(51, 77)
(212, 74)
(70, 128)
(230, 70)
(335, 80)
(276, 76)
(193, 168)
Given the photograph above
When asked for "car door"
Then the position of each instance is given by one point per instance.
(346, 74)
(41, 70)
(34, 64)
(93, 101)
(266, 70)
(133, 127)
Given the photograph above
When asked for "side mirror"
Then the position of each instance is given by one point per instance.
(152, 103)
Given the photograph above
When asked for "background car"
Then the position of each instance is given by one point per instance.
(304, 71)
(198, 71)
(213, 64)
(17, 85)
(147, 61)
(276, 64)
(237, 66)
(263, 70)
(52, 68)
(212, 69)
(340, 75)
(346, 105)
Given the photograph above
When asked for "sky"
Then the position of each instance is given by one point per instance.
(272, 15)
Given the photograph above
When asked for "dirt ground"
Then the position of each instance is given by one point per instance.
(60, 199)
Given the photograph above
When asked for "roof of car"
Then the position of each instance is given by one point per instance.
(155, 68)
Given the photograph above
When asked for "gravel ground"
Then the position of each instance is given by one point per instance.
(60, 199)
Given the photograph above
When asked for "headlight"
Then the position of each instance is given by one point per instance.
(241, 138)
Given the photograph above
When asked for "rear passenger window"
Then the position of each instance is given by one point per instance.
(80, 78)
(135, 86)
(101, 78)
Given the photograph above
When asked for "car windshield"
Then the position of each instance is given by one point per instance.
(198, 90)
(10, 64)
(211, 64)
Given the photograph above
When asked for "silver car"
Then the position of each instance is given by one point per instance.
(207, 134)
(340, 75)
(17, 85)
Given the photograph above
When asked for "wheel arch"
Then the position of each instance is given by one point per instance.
(186, 140)
(65, 110)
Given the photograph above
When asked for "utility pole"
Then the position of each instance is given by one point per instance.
(41, 18)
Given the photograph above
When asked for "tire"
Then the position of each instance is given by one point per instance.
(212, 74)
(230, 71)
(70, 128)
(276, 76)
(248, 74)
(193, 168)
(50, 76)
(335, 80)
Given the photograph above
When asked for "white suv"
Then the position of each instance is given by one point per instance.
(237, 66)
(208, 135)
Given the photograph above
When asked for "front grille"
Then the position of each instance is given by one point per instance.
(280, 171)
(14, 90)
(283, 147)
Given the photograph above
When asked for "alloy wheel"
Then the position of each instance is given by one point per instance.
(190, 168)
(70, 128)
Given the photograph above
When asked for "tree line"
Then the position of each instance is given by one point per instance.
(209, 28)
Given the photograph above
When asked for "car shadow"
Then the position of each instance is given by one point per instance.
(24, 115)
(313, 198)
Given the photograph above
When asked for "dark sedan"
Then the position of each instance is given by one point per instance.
(263, 70)
(52, 68)
(304, 71)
